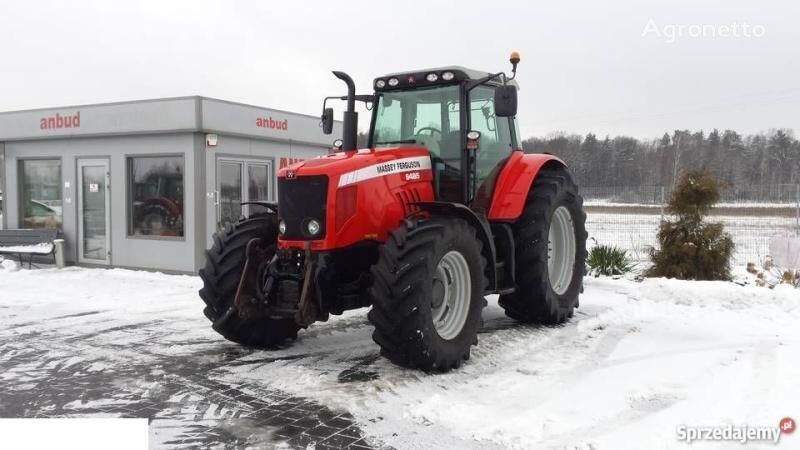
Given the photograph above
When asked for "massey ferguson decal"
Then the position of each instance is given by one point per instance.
(413, 164)
(58, 121)
(269, 122)
(399, 166)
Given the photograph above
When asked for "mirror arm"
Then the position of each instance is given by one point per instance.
(332, 97)
(367, 98)
(359, 98)
(475, 83)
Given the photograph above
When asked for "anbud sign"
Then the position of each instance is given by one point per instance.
(269, 122)
(58, 121)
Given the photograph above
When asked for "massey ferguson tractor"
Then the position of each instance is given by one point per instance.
(440, 210)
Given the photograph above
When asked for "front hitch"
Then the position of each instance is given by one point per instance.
(247, 295)
(284, 294)
(307, 308)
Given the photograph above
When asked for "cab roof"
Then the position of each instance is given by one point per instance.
(417, 78)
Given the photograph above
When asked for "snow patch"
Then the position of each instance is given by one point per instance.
(9, 265)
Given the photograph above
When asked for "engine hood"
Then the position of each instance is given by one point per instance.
(348, 167)
(355, 196)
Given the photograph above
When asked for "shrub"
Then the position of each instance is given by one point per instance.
(690, 248)
(607, 260)
(771, 275)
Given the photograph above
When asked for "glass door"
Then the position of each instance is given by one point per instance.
(259, 186)
(94, 243)
(241, 181)
(229, 203)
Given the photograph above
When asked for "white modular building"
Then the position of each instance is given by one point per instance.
(144, 184)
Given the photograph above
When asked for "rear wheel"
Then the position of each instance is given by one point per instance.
(221, 274)
(427, 294)
(550, 239)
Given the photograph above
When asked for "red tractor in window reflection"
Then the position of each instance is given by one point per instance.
(441, 209)
(156, 211)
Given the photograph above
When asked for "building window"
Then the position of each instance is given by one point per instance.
(40, 201)
(155, 204)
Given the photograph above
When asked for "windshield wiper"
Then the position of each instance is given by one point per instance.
(402, 141)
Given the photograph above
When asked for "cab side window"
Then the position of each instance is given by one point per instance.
(495, 142)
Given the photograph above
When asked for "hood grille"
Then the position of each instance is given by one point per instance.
(300, 200)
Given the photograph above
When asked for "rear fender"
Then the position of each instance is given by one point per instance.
(481, 226)
(515, 182)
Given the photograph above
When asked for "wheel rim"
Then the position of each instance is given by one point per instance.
(452, 292)
(561, 250)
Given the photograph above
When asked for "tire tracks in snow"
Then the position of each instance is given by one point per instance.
(129, 368)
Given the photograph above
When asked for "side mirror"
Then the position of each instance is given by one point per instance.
(505, 101)
(327, 120)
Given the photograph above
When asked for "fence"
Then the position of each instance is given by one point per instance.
(629, 217)
(777, 194)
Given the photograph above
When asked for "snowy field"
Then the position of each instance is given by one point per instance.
(637, 232)
(637, 361)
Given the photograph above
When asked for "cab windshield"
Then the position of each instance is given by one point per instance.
(431, 118)
(427, 117)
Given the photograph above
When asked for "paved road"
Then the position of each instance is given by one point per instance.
(148, 360)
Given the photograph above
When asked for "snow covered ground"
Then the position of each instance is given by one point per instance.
(637, 361)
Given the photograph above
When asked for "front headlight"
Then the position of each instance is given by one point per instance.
(313, 227)
(282, 227)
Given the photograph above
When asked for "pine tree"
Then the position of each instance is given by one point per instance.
(691, 248)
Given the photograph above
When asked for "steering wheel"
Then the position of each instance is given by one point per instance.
(431, 129)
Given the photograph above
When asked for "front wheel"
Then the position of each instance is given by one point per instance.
(221, 275)
(427, 294)
(550, 238)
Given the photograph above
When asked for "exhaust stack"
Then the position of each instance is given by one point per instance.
(350, 125)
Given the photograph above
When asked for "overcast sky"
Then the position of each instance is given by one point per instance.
(587, 66)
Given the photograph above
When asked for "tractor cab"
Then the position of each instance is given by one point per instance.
(440, 109)
(465, 118)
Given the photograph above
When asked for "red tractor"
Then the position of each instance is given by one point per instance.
(441, 209)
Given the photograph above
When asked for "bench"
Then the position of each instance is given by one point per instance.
(28, 242)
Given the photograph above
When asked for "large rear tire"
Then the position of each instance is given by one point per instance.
(221, 274)
(427, 294)
(550, 239)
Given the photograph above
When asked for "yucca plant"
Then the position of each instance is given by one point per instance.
(608, 260)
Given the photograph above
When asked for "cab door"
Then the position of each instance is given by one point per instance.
(494, 145)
